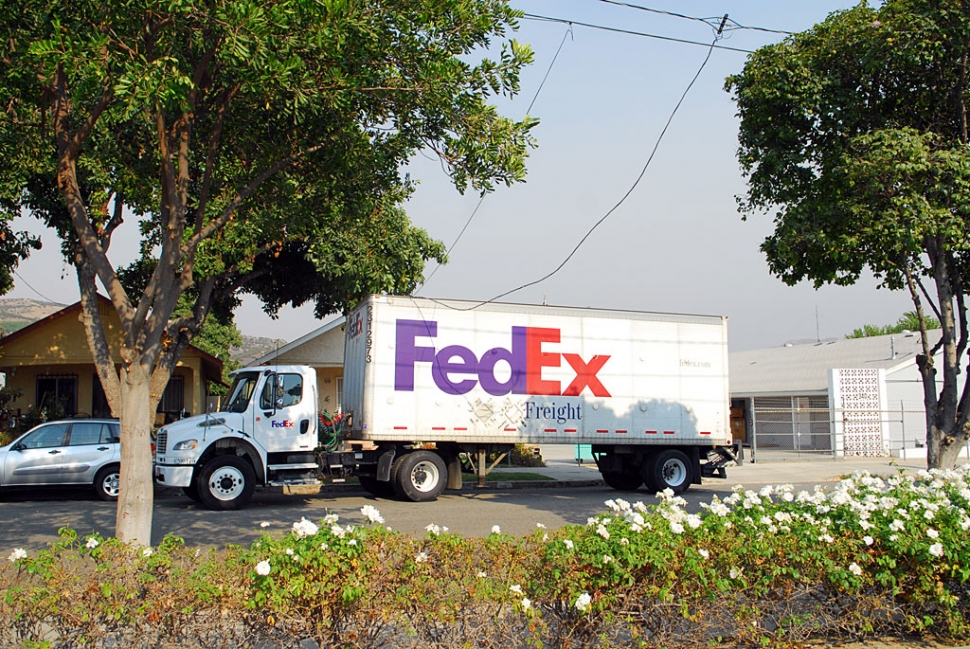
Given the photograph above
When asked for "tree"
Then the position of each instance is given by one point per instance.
(855, 134)
(909, 321)
(248, 139)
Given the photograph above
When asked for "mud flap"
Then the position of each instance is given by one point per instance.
(384, 463)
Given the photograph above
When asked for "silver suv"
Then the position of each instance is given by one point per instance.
(65, 452)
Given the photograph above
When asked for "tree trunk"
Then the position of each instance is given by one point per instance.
(136, 500)
(944, 448)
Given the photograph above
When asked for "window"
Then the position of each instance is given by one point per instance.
(89, 432)
(241, 390)
(57, 395)
(173, 399)
(46, 437)
(340, 395)
(288, 391)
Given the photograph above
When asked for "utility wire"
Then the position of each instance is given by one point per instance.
(636, 33)
(713, 22)
(528, 110)
(20, 277)
(656, 11)
(643, 171)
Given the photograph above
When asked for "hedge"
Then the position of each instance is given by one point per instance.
(870, 556)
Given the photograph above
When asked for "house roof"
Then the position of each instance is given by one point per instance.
(302, 340)
(804, 369)
(211, 364)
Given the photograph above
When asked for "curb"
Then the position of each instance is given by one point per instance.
(337, 488)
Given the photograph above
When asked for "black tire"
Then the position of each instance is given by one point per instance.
(192, 491)
(106, 482)
(226, 482)
(377, 487)
(622, 481)
(669, 469)
(420, 476)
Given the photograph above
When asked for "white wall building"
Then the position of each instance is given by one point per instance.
(860, 396)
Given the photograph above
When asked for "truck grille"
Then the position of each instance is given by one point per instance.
(161, 443)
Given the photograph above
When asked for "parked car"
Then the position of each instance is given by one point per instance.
(65, 452)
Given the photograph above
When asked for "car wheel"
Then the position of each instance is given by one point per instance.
(107, 483)
(226, 482)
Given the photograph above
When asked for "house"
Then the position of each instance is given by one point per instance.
(323, 350)
(859, 396)
(49, 361)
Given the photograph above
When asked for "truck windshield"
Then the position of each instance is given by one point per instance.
(241, 390)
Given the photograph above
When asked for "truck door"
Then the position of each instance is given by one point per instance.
(285, 414)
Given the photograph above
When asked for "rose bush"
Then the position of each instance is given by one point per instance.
(868, 556)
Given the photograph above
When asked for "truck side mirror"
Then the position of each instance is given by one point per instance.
(304, 426)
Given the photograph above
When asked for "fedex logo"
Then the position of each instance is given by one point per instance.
(456, 369)
(281, 424)
(357, 326)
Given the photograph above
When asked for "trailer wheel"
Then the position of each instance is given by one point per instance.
(106, 483)
(377, 487)
(226, 482)
(668, 469)
(419, 476)
(622, 480)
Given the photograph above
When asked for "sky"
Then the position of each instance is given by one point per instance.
(676, 244)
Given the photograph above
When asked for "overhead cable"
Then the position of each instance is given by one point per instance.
(631, 32)
(643, 171)
(528, 110)
(27, 284)
(712, 21)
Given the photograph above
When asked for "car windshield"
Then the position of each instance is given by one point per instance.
(241, 390)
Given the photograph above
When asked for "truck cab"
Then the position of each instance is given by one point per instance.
(266, 434)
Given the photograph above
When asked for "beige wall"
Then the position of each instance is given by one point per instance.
(324, 353)
(59, 347)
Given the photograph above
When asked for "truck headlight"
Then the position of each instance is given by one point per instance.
(186, 445)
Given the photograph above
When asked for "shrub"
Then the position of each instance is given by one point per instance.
(870, 556)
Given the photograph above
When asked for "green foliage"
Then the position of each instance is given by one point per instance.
(868, 557)
(909, 321)
(854, 135)
(260, 146)
(14, 248)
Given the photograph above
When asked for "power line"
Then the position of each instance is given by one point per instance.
(631, 32)
(20, 277)
(528, 110)
(713, 21)
(643, 172)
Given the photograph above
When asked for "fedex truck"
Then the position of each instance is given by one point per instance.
(430, 384)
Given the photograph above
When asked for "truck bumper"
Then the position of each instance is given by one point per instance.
(173, 476)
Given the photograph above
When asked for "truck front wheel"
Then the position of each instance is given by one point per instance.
(419, 476)
(226, 482)
(668, 469)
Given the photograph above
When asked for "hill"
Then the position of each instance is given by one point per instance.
(17, 313)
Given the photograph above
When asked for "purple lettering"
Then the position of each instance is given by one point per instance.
(516, 362)
(407, 354)
(456, 369)
(444, 365)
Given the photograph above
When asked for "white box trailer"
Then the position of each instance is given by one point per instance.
(428, 383)
(648, 391)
